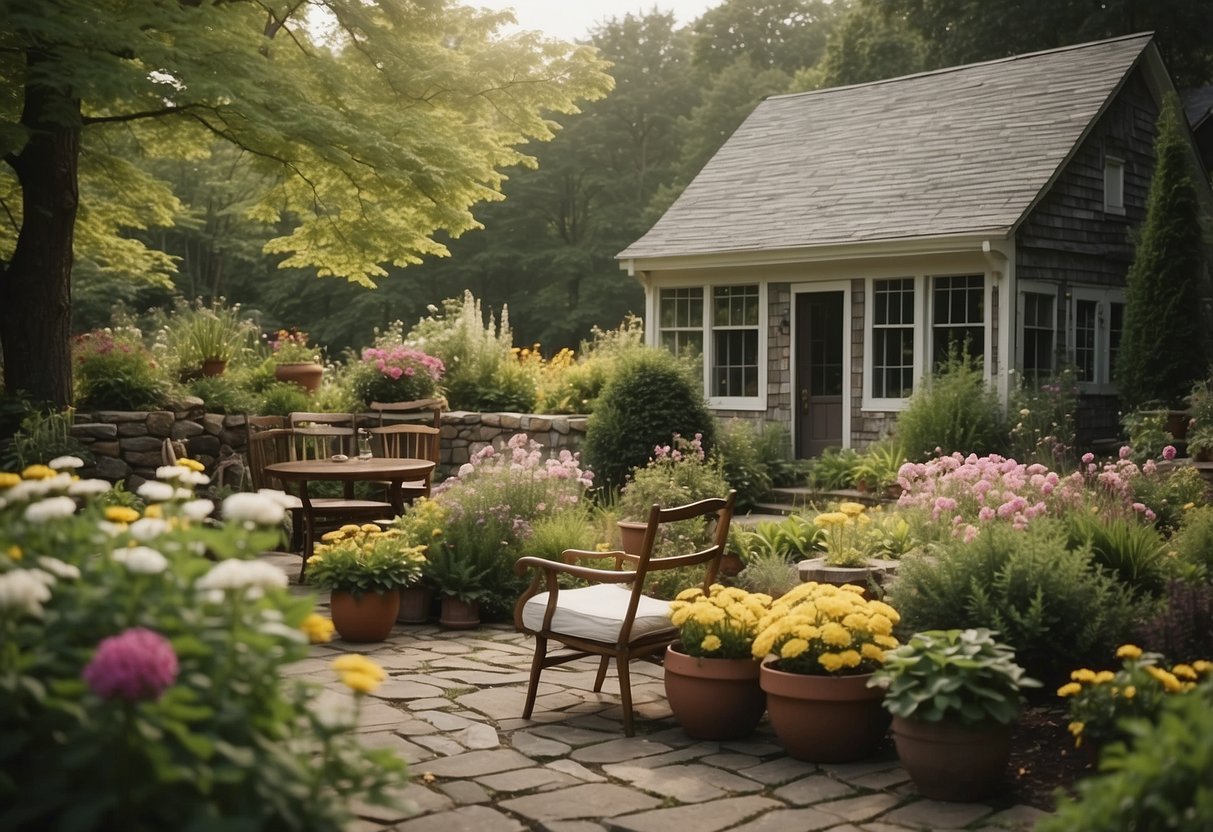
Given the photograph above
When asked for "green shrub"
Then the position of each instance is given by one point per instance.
(650, 398)
(954, 411)
(193, 333)
(41, 438)
(282, 398)
(114, 371)
(1193, 543)
(1147, 432)
(737, 449)
(1180, 628)
(1169, 494)
(775, 453)
(1163, 779)
(835, 469)
(878, 466)
(553, 533)
(573, 386)
(1051, 603)
(1041, 413)
(1131, 550)
(222, 394)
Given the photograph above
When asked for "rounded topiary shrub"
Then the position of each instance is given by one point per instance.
(651, 397)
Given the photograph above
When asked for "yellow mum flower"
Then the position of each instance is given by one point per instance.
(351, 528)
(355, 663)
(855, 621)
(1069, 689)
(763, 644)
(881, 608)
(1075, 728)
(850, 658)
(1169, 683)
(1128, 651)
(38, 472)
(438, 533)
(1130, 691)
(1202, 666)
(121, 514)
(689, 594)
(317, 628)
(707, 614)
(830, 661)
(835, 635)
(887, 642)
(852, 589)
(710, 643)
(792, 648)
(852, 509)
(1104, 676)
(1185, 672)
(871, 651)
(14, 552)
(8, 479)
(153, 511)
(371, 528)
(359, 682)
(192, 464)
(679, 617)
(880, 625)
(1083, 675)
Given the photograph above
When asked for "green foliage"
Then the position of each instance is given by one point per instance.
(1164, 348)
(283, 398)
(114, 371)
(738, 450)
(41, 438)
(225, 740)
(1169, 495)
(867, 44)
(650, 398)
(1042, 419)
(1193, 543)
(1129, 549)
(197, 332)
(835, 469)
(553, 533)
(769, 573)
(1180, 626)
(365, 559)
(1049, 602)
(224, 394)
(775, 454)
(569, 386)
(676, 476)
(1147, 433)
(878, 466)
(1161, 779)
(954, 411)
(955, 675)
(795, 537)
(482, 372)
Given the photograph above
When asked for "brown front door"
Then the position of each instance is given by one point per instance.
(819, 372)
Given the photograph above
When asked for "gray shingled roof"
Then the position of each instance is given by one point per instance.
(956, 151)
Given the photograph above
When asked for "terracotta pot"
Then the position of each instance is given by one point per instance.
(824, 719)
(1177, 423)
(369, 617)
(459, 615)
(414, 605)
(950, 761)
(213, 367)
(713, 699)
(731, 565)
(306, 374)
(631, 536)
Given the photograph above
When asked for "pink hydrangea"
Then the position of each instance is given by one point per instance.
(135, 664)
(1168, 453)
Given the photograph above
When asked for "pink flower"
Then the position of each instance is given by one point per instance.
(1125, 451)
(135, 664)
(1168, 453)
(1088, 458)
(395, 372)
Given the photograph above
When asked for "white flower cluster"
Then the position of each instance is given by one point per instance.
(242, 574)
(262, 509)
(25, 591)
(141, 560)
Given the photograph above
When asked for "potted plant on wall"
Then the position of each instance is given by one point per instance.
(954, 696)
(295, 361)
(711, 676)
(678, 474)
(364, 567)
(819, 645)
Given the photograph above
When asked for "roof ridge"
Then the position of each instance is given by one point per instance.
(948, 69)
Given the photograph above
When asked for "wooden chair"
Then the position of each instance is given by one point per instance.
(320, 435)
(420, 411)
(612, 618)
(408, 441)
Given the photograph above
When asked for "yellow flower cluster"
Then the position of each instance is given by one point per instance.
(423, 523)
(1100, 699)
(844, 534)
(317, 628)
(359, 673)
(192, 464)
(8, 479)
(720, 624)
(819, 628)
(121, 514)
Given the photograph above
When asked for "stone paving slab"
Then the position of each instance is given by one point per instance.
(452, 708)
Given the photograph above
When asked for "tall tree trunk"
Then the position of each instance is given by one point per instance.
(35, 288)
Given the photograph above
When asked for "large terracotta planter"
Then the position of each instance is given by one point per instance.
(631, 536)
(713, 699)
(414, 605)
(824, 719)
(459, 615)
(950, 761)
(369, 617)
(306, 374)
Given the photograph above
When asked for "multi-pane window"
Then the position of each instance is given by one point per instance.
(1086, 331)
(1039, 324)
(1096, 324)
(681, 320)
(735, 359)
(958, 316)
(892, 338)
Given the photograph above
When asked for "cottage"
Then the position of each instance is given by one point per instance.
(830, 251)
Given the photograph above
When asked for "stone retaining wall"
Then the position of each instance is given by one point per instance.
(128, 445)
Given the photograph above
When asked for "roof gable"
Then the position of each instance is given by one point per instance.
(957, 151)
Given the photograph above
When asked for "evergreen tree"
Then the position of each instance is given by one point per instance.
(1163, 349)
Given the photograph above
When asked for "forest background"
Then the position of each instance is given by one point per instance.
(547, 250)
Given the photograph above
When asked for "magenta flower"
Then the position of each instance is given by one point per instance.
(135, 664)
(1168, 453)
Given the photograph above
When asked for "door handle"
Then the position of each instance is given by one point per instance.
(804, 397)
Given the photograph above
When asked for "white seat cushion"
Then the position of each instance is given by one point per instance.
(596, 613)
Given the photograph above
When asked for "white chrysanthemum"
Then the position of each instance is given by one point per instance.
(27, 490)
(240, 574)
(180, 475)
(156, 492)
(88, 488)
(256, 508)
(280, 497)
(112, 529)
(52, 508)
(58, 568)
(142, 560)
(24, 590)
(183, 493)
(198, 509)
(61, 462)
(148, 528)
(170, 472)
(283, 631)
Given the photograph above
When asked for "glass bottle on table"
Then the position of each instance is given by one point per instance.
(364, 444)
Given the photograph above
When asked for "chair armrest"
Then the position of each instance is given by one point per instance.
(553, 568)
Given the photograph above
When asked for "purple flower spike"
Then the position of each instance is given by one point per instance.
(135, 664)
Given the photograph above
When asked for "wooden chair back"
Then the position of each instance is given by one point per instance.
(406, 441)
(625, 624)
(265, 447)
(419, 411)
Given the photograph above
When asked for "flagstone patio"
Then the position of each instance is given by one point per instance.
(451, 706)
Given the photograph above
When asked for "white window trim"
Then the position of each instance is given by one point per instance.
(928, 325)
(848, 393)
(758, 402)
(1114, 164)
(1030, 287)
(869, 402)
(1103, 298)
